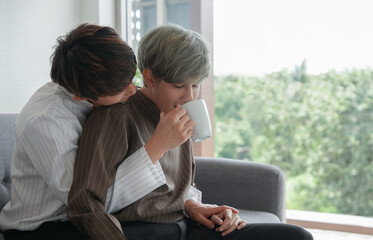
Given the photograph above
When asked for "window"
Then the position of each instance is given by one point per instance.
(147, 14)
(294, 88)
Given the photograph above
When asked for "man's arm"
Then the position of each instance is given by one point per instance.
(102, 148)
(135, 178)
(51, 146)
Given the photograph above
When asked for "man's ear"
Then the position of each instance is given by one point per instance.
(149, 79)
(80, 99)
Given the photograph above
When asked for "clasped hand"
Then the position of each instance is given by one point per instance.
(225, 217)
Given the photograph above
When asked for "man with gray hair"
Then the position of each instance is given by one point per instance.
(173, 61)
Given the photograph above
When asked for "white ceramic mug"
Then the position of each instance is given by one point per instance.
(197, 111)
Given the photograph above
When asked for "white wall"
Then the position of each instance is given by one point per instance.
(28, 32)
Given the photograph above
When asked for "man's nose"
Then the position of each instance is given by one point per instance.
(188, 95)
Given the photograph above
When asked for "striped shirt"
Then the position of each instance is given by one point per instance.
(47, 133)
(110, 135)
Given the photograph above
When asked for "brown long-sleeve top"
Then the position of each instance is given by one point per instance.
(110, 135)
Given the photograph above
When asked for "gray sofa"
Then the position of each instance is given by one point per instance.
(257, 190)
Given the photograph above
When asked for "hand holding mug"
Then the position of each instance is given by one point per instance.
(197, 111)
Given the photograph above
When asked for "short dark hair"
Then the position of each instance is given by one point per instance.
(93, 61)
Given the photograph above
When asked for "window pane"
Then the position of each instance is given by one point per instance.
(144, 18)
(178, 12)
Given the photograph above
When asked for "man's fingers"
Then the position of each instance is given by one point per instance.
(179, 111)
(227, 223)
(241, 224)
(234, 210)
(189, 125)
(232, 228)
(216, 219)
(207, 223)
(218, 210)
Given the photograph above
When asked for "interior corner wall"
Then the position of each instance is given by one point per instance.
(107, 13)
(28, 32)
(89, 11)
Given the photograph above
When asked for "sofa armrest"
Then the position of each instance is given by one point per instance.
(241, 184)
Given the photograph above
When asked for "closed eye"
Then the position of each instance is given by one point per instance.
(178, 85)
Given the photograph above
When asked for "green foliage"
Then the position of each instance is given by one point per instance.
(317, 128)
(137, 80)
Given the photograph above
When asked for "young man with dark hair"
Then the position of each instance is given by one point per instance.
(91, 66)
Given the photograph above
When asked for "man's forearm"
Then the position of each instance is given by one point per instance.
(136, 177)
(154, 152)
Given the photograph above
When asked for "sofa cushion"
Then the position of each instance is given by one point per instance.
(258, 216)
(7, 123)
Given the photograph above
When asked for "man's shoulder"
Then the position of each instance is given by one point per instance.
(48, 104)
(121, 110)
(126, 111)
(46, 99)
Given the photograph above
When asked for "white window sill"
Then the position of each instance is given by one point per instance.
(330, 221)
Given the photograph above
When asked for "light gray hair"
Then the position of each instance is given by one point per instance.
(174, 54)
